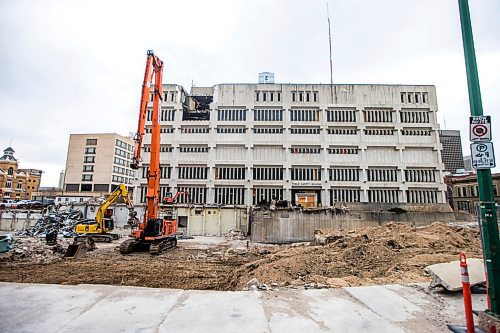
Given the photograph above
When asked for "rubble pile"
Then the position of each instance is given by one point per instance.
(61, 222)
(33, 250)
(235, 234)
(392, 253)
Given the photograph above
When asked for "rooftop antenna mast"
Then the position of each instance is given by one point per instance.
(330, 42)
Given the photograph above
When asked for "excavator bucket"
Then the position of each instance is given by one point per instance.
(79, 247)
(75, 251)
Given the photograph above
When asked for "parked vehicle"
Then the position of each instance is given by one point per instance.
(8, 203)
(23, 204)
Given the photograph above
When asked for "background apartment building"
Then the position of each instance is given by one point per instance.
(241, 144)
(98, 163)
(451, 154)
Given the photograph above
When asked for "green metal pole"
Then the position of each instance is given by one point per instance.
(491, 239)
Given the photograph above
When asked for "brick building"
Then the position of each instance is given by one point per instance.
(16, 183)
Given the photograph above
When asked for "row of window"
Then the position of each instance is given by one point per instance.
(163, 148)
(378, 116)
(298, 115)
(268, 115)
(121, 179)
(123, 171)
(305, 96)
(122, 153)
(121, 162)
(277, 173)
(267, 96)
(232, 114)
(163, 130)
(341, 115)
(124, 145)
(236, 195)
(168, 96)
(382, 175)
(414, 97)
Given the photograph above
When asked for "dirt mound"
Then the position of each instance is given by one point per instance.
(391, 253)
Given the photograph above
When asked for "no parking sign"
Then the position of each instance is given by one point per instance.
(480, 128)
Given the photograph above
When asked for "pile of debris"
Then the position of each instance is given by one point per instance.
(61, 223)
(392, 253)
(235, 234)
(33, 250)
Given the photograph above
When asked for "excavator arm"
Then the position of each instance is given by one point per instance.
(153, 63)
(121, 191)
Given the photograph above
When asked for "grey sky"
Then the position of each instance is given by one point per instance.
(76, 66)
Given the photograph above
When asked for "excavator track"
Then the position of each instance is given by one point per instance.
(159, 246)
(128, 246)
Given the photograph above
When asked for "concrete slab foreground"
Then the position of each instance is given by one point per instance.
(99, 308)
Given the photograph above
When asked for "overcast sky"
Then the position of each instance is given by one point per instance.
(76, 66)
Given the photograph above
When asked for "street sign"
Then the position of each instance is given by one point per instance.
(480, 128)
(483, 156)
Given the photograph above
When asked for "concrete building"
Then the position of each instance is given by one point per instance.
(452, 155)
(310, 144)
(97, 163)
(16, 183)
(468, 164)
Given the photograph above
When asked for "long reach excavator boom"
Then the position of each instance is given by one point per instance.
(153, 233)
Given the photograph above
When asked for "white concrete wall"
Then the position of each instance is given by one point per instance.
(249, 149)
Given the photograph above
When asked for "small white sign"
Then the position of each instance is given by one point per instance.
(483, 155)
(480, 128)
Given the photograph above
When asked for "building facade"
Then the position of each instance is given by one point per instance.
(451, 154)
(310, 144)
(465, 191)
(16, 183)
(97, 163)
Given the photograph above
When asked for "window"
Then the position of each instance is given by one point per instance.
(230, 173)
(342, 131)
(268, 173)
(229, 196)
(193, 149)
(383, 195)
(91, 142)
(343, 151)
(305, 130)
(305, 173)
(378, 116)
(415, 116)
(87, 178)
(343, 174)
(420, 175)
(268, 130)
(231, 130)
(89, 159)
(231, 114)
(90, 150)
(341, 115)
(8, 184)
(382, 175)
(261, 195)
(192, 172)
(88, 168)
(268, 115)
(422, 196)
(344, 195)
(304, 115)
(305, 150)
(195, 130)
(10, 172)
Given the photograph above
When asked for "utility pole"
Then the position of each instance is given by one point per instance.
(491, 239)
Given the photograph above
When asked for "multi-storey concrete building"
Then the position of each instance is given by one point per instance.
(311, 144)
(451, 154)
(98, 163)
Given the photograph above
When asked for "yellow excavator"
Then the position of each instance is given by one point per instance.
(100, 229)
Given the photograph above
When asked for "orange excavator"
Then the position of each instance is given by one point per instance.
(153, 233)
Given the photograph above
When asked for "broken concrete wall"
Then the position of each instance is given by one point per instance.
(18, 220)
(285, 226)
